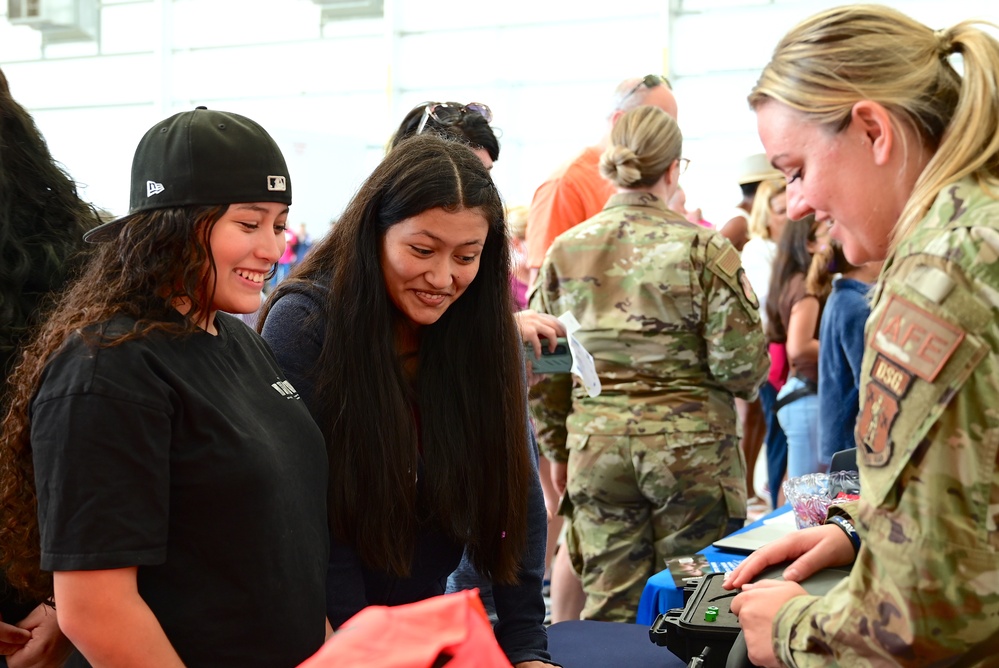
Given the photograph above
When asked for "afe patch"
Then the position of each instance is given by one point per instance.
(915, 339)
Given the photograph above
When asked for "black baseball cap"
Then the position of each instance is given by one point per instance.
(202, 157)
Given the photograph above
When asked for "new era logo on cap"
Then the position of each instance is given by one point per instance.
(277, 183)
(153, 188)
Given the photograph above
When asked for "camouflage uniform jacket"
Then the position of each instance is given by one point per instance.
(924, 589)
(669, 317)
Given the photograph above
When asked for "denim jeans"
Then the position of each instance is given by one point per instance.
(776, 442)
(800, 422)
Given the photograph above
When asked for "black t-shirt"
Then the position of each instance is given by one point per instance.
(194, 459)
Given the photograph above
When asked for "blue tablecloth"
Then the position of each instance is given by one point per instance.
(661, 593)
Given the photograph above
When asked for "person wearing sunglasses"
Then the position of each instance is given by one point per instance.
(576, 191)
(467, 123)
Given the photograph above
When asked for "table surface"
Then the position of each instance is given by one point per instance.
(661, 593)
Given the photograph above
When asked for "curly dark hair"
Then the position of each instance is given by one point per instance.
(42, 221)
(158, 260)
(471, 128)
(472, 427)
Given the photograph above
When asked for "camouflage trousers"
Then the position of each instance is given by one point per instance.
(636, 501)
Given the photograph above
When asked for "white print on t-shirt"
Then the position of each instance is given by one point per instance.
(285, 389)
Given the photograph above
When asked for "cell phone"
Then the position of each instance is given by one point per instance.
(559, 361)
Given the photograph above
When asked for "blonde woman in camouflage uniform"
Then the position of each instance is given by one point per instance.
(654, 464)
(876, 131)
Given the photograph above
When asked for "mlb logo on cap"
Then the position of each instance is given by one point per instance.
(203, 157)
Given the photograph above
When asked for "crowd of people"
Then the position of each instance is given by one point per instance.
(180, 489)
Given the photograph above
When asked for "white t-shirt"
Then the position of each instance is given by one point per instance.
(758, 260)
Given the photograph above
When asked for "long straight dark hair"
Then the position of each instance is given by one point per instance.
(469, 394)
(793, 257)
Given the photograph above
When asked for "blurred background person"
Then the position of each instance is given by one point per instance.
(753, 170)
(467, 123)
(793, 316)
(766, 224)
(653, 464)
(516, 222)
(678, 203)
(846, 289)
(304, 242)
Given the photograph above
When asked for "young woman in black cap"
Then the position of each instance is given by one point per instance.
(178, 478)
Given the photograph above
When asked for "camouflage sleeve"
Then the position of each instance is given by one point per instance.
(736, 346)
(550, 399)
(925, 587)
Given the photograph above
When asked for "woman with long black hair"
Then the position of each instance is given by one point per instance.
(398, 330)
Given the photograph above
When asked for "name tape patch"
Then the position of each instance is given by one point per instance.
(894, 379)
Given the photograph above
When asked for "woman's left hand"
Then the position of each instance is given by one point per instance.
(535, 326)
(756, 608)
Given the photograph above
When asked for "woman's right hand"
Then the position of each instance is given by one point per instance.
(811, 549)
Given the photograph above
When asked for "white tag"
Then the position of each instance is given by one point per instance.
(582, 360)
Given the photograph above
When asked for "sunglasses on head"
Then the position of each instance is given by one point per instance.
(449, 113)
(649, 81)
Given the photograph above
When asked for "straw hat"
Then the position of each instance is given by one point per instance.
(756, 168)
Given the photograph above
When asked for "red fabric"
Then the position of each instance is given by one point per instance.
(414, 636)
(778, 365)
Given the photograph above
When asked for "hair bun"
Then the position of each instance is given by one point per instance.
(619, 164)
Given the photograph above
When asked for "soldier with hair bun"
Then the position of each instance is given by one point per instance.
(654, 466)
(878, 133)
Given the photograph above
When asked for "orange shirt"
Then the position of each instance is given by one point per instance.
(574, 193)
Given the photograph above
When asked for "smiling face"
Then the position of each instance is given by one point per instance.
(839, 177)
(245, 244)
(430, 259)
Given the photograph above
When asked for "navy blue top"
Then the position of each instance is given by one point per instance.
(351, 585)
(842, 349)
